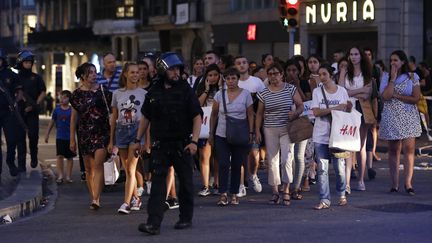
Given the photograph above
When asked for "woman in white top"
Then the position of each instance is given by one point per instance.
(337, 99)
(198, 70)
(275, 107)
(357, 79)
(126, 105)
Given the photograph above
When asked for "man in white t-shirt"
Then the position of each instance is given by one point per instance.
(253, 85)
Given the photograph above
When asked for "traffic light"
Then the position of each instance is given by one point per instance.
(289, 12)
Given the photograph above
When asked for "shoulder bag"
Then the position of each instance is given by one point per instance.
(237, 130)
(299, 129)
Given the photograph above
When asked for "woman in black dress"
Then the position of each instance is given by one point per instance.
(90, 111)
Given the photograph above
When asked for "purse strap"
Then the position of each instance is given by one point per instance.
(325, 97)
(104, 98)
(224, 102)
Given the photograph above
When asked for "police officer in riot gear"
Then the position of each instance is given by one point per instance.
(175, 115)
(34, 94)
(9, 90)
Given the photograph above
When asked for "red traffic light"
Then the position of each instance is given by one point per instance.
(292, 2)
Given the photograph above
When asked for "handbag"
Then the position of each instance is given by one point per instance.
(111, 172)
(337, 153)
(237, 130)
(205, 126)
(300, 129)
(368, 113)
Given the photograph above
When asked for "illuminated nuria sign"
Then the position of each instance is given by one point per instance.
(325, 10)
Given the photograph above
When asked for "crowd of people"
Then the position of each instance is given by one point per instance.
(152, 112)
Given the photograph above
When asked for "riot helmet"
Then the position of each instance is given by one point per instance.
(24, 55)
(169, 60)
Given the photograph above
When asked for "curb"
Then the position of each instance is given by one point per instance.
(26, 198)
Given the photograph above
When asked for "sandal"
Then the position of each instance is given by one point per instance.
(342, 201)
(322, 205)
(94, 206)
(59, 181)
(69, 180)
(296, 195)
(223, 201)
(275, 199)
(394, 190)
(410, 191)
(286, 201)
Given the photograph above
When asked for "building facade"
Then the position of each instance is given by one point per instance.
(382, 25)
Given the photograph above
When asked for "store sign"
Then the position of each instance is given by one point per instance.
(341, 10)
(251, 33)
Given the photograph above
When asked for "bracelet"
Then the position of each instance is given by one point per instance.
(251, 133)
(193, 142)
(137, 140)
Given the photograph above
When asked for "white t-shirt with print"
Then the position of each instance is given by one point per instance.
(128, 103)
(321, 131)
(252, 84)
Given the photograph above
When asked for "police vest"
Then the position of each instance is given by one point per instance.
(170, 116)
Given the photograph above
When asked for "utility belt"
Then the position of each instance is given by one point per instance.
(170, 145)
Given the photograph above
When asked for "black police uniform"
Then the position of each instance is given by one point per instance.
(9, 82)
(33, 86)
(171, 112)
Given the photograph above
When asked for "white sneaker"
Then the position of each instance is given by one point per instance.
(140, 191)
(205, 191)
(256, 184)
(242, 191)
(148, 187)
(124, 209)
(135, 204)
(360, 186)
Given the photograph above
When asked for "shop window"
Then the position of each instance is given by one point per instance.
(242, 5)
(126, 10)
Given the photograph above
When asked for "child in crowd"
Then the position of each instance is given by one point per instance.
(61, 117)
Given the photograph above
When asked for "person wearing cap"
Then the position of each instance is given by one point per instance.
(34, 94)
(9, 87)
(174, 113)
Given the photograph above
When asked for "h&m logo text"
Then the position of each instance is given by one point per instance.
(348, 130)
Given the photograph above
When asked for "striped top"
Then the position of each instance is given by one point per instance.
(277, 105)
(114, 80)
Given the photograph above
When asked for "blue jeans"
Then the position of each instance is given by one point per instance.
(322, 154)
(229, 156)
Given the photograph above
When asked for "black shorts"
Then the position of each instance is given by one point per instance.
(62, 147)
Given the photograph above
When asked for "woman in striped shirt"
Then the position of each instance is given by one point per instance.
(276, 103)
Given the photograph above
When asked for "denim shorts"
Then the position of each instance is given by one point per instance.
(125, 135)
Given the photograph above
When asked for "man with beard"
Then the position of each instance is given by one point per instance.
(253, 85)
(174, 111)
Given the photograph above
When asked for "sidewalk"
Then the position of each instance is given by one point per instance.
(21, 195)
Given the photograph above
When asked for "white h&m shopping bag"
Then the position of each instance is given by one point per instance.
(111, 172)
(205, 127)
(345, 130)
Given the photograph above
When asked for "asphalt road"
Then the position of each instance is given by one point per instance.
(371, 216)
